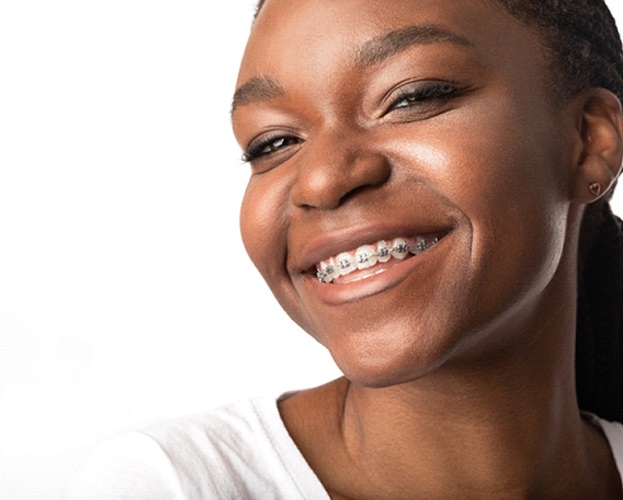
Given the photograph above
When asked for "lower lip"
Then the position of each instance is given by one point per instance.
(341, 293)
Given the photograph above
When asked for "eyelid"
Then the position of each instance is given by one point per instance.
(253, 151)
(259, 142)
(422, 91)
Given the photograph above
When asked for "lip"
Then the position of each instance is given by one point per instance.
(343, 293)
(338, 241)
(346, 240)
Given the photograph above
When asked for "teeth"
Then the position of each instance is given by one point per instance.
(383, 251)
(346, 263)
(329, 272)
(366, 256)
(419, 247)
(399, 248)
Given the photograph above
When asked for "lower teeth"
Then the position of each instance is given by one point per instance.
(329, 273)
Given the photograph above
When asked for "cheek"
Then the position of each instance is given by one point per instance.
(509, 185)
(264, 222)
(517, 187)
(493, 163)
(260, 224)
(516, 202)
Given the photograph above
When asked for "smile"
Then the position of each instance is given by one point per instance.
(371, 258)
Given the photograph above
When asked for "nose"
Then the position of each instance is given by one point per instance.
(331, 171)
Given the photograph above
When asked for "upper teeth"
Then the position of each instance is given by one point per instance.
(368, 255)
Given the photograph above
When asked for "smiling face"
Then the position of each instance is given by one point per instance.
(422, 126)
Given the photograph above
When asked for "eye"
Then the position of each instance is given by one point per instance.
(422, 95)
(266, 146)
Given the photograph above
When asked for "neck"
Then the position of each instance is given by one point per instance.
(503, 425)
(479, 438)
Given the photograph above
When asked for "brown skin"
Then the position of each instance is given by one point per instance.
(458, 362)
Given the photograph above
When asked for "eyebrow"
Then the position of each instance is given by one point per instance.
(393, 42)
(372, 52)
(257, 89)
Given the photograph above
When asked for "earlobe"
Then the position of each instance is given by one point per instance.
(601, 128)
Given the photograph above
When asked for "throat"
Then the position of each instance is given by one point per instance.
(432, 457)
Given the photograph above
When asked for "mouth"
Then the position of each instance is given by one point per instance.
(372, 259)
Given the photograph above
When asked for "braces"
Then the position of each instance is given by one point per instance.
(361, 258)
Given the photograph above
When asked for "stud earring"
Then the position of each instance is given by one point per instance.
(595, 188)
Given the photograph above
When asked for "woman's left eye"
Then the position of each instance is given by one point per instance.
(422, 94)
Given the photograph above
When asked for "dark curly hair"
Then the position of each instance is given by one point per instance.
(582, 38)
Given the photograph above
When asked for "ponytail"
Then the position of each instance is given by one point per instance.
(599, 337)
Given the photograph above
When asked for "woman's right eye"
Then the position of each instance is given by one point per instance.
(268, 146)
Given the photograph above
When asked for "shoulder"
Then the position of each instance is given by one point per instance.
(124, 466)
(614, 434)
(238, 451)
(237, 446)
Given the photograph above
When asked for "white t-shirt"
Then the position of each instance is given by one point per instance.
(241, 451)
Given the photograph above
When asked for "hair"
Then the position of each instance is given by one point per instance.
(583, 40)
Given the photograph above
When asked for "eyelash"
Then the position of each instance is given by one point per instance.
(433, 91)
(268, 146)
(407, 98)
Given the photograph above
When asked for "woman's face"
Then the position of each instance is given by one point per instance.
(369, 122)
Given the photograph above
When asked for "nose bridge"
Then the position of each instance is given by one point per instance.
(334, 165)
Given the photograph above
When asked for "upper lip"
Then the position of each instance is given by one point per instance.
(345, 240)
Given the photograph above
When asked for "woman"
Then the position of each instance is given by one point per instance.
(428, 194)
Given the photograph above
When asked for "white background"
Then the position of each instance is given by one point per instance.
(125, 293)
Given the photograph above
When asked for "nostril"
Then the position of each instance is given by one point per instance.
(371, 171)
(355, 192)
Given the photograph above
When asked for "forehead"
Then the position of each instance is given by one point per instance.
(298, 40)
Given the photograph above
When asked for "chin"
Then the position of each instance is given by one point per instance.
(396, 351)
(375, 370)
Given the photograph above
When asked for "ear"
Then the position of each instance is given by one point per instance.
(601, 131)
